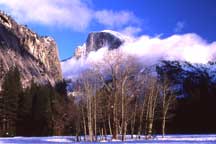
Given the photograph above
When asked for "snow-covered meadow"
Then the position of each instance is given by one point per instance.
(168, 139)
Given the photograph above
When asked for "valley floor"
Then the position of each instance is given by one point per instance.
(168, 139)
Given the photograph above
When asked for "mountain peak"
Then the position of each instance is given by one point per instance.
(96, 40)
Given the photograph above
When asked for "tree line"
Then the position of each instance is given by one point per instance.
(38, 110)
(117, 96)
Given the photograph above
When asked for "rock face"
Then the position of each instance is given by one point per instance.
(97, 40)
(36, 57)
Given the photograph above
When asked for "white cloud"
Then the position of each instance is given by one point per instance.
(74, 14)
(115, 18)
(73, 67)
(131, 31)
(179, 26)
(188, 47)
(71, 14)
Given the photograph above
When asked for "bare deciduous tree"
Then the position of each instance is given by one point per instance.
(116, 93)
(168, 100)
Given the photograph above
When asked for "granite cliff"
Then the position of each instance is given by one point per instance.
(97, 40)
(35, 56)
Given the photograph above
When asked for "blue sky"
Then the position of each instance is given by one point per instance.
(70, 21)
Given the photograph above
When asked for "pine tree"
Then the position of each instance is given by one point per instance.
(11, 90)
(24, 114)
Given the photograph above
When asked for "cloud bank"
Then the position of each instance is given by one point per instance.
(74, 14)
(150, 50)
(73, 67)
(188, 47)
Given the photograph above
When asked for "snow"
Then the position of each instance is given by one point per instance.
(38, 140)
(168, 139)
(188, 138)
(58, 140)
(120, 35)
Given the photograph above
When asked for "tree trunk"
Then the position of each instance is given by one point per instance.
(95, 117)
(89, 117)
(124, 131)
(164, 122)
(84, 124)
(123, 115)
(115, 128)
(115, 119)
(133, 121)
(150, 126)
(163, 126)
(140, 120)
(109, 124)
(102, 134)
